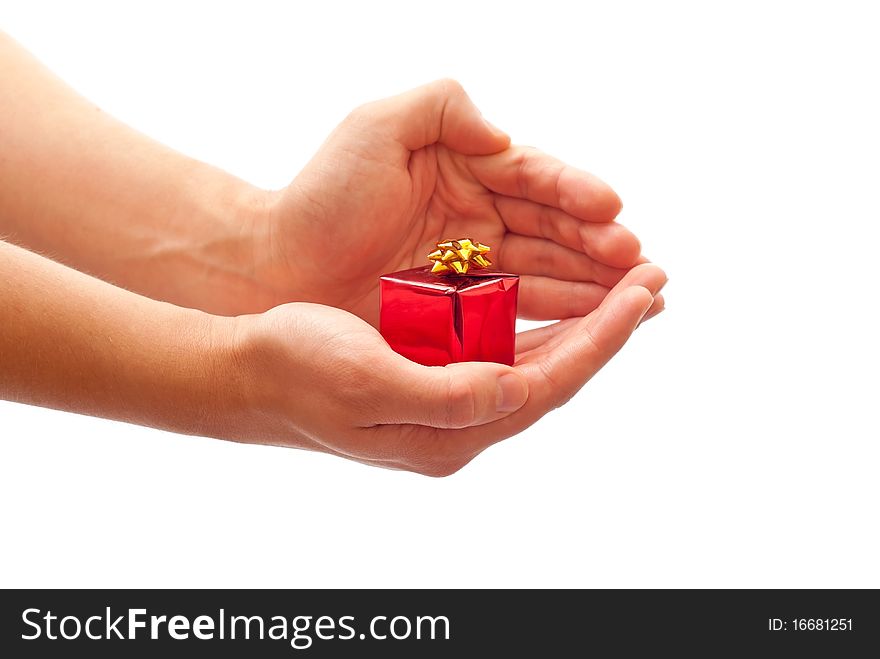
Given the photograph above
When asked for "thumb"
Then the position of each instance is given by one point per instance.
(453, 396)
(442, 112)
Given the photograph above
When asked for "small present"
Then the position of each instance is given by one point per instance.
(452, 311)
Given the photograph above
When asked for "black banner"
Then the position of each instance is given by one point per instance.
(422, 623)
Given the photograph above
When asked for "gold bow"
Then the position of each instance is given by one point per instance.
(458, 256)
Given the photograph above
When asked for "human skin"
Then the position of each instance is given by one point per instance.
(236, 329)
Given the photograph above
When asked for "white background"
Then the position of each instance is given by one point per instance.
(734, 441)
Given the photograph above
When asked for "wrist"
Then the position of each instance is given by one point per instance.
(179, 377)
(221, 364)
(252, 370)
(224, 251)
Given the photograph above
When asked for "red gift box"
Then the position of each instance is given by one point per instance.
(437, 319)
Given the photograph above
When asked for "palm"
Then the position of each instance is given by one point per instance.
(388, 222)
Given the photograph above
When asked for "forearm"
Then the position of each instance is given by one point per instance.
(72, 342)
(86, 189)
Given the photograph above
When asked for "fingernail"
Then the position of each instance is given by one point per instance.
(512, 393)
(494, 129)
(650, 302)
(652, 314)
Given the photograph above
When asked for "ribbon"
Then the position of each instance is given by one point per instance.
(459, 256)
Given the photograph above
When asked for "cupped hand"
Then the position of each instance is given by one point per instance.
(319, 378)
(402, 173)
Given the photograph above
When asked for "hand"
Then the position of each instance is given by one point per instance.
(399, 174)
(319, 378)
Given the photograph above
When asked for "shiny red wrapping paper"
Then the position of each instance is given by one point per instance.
(439, 319)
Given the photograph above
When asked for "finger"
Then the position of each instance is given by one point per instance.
(535, 338)
(577, 352)
(656, 308)
(608, 243)
(544, 337)
(562, 371)
(527, 173)
(574, 355)
(544, 298)
(534, 256)
(453, 396)
(587, 347)
(647, 276)
(440, 111)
